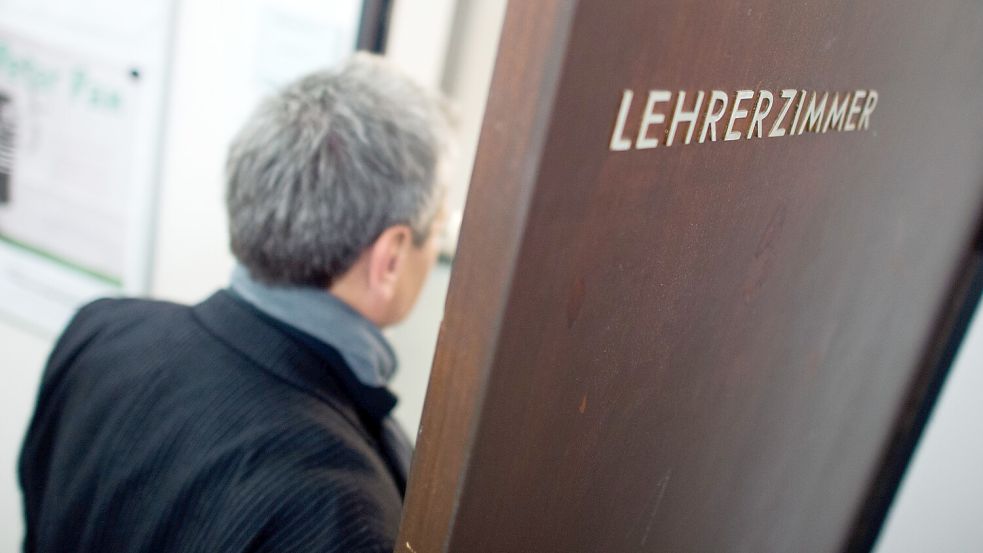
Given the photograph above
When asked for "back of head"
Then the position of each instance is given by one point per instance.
(324, 167)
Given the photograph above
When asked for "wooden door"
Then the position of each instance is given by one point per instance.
(716, 341)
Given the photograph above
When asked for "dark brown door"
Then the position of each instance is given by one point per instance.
(713, 342)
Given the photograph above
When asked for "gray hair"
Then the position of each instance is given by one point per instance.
(324, 167)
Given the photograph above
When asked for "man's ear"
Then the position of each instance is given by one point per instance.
(386, 257)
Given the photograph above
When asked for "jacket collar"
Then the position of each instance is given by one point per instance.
(319, 314)
(261, 340)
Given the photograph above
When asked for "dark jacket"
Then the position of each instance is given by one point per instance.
(166, 428)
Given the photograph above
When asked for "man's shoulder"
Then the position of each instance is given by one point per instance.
(116, 315)
(123, 310)
(105, 321)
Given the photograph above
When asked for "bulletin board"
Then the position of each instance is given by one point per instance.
(82, 90)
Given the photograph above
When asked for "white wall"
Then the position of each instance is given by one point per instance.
(940, 504)
(470, 60)
(191, 256)
(22, 355)
(418, 37)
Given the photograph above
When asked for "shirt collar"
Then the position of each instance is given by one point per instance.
(321, 315)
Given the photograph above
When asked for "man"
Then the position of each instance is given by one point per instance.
(257, 420)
